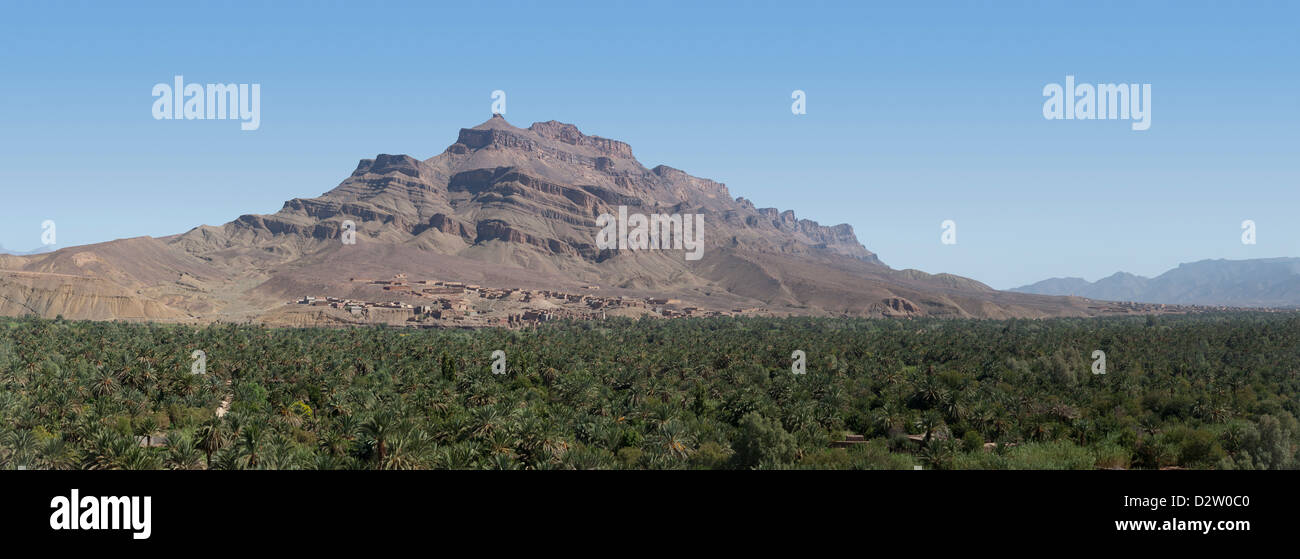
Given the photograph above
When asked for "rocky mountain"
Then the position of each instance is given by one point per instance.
(507, 207)
(1270, 282)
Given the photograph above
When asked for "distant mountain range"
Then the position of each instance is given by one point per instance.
(40, 250)
(1264, 282)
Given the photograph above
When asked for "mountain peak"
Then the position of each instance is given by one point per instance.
(551, 136)
(1122, 275)
(497, 122)
(385, 163)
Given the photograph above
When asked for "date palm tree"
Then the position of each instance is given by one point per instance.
(379, 428)
(929, 423)
(210, 438)
(251, 436)
(182, 452)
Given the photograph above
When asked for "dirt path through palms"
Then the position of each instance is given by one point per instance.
(225, 404)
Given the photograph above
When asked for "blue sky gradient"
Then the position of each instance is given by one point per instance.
(916, 114)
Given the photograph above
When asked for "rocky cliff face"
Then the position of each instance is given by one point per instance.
(569, 134)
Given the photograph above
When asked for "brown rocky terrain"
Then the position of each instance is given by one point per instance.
(505, 207)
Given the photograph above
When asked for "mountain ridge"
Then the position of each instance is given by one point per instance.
(1258, 282)
(517, 208)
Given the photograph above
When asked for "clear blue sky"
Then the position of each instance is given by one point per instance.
(915, 115)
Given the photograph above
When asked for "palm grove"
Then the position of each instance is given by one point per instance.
(1207, 391)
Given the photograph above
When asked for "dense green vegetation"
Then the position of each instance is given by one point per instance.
(1210, 391)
